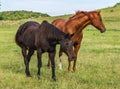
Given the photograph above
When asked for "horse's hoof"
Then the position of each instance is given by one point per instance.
(74, 69)
(54, 79)
(38, 77)
(29, 75)
(68, 69)
(48, 66)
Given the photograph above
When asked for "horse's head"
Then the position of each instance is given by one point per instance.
(96, 20)
(66, 45)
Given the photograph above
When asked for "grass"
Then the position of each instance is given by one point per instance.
(98, 64)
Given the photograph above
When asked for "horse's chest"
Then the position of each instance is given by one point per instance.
(45, 44)
(48, 47)
(77, 38)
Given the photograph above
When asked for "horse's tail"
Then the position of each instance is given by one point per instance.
(18, 35)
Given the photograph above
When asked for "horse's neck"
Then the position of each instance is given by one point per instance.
(58, 35)
(78, 33)
(78, 24)
(82, 23)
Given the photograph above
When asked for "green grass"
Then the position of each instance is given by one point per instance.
(98, 64)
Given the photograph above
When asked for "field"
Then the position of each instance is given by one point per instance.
(98, 64)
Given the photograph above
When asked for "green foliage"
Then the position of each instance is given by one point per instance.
(17, 15)
(117, 4)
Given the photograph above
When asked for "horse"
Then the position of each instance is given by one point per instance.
(42, 37)
(75, 25)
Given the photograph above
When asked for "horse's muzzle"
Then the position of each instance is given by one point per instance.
(72, 58)
(102, 31)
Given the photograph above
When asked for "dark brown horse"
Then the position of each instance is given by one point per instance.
(43, 38)
(75, 25)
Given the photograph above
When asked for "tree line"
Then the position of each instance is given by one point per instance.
(18, 15)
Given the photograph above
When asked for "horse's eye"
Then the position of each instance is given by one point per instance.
(101, 19)
(67, 43)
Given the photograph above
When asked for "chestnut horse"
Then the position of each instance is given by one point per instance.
(75, 25)
(42, 37)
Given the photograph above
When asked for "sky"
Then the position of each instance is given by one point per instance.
(55, 7)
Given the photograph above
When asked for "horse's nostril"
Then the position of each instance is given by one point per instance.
(103, 30)
(73, 57)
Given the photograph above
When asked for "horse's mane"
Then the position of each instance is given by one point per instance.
(77, 14)
(81, 13)
(51, 30)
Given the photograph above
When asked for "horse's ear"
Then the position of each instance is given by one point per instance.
(45, 21)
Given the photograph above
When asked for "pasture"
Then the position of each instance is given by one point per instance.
(98, 63)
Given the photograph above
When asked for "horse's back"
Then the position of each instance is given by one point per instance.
(59, 23)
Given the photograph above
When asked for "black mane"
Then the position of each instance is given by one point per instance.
(51, 31)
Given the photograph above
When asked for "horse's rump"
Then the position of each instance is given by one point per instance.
(22, 29)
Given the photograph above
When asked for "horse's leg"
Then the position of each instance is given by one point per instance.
(69, 65)
(24, 53)
(52, 57)
(48, 65)
(77, 45)
(76, 49)
(30, 53)
(39, 53)
(60, 60)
